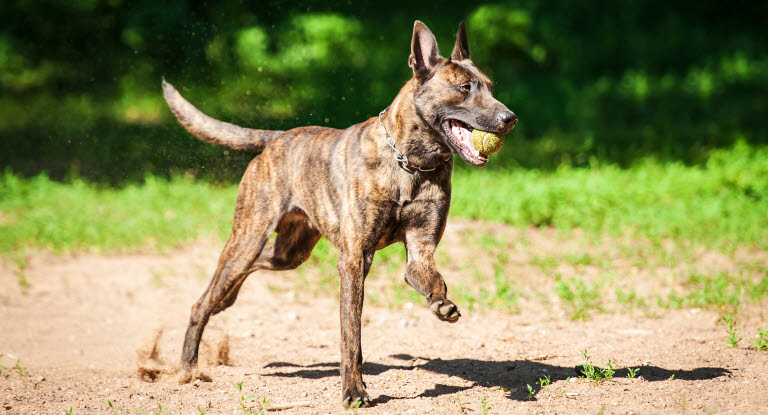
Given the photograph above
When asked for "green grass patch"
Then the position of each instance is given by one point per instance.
(721, 204)
(41, 213)
(579, 297)
(721, 290)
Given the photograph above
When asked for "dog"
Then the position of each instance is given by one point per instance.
(383, 181)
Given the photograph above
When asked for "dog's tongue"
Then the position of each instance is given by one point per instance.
(465, 136)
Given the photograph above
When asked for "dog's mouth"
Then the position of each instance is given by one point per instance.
(460, 135)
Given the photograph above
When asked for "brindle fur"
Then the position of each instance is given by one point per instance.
(344, 184)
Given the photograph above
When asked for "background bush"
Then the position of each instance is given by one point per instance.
(609, 81)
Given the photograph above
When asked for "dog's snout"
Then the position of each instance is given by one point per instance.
(508, 118)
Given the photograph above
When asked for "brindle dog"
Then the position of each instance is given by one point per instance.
(345, 185)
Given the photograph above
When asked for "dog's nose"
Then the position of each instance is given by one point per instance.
(508, 118)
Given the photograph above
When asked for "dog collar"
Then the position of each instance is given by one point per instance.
(400, 158)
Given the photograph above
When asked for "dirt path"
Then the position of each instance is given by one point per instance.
(85, 329)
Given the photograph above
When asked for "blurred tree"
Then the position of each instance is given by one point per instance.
(612, 81)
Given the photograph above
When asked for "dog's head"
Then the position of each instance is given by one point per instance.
(453, 96)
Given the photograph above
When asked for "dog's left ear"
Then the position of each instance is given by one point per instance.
(461, 50)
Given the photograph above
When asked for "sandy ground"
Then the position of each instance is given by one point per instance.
(92, 329)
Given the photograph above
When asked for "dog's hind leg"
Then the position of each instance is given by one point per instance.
(255, 219)
(234, 266)
(293, 245)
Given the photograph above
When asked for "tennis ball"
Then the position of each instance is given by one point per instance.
(487, 143)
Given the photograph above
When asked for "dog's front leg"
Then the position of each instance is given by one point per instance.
(421, 272)
(353, 268)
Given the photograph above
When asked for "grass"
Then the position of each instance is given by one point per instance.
(458, 402)
(579, 297)
(594, 373)
(248, 404)
(115, 409)
(484, 405)
(729, 321)
(21, 370)
(722, 290)
(721, 204)
(159, 411)
(62, 217)
(760, 341)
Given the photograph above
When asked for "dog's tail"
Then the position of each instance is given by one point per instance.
(215, 131)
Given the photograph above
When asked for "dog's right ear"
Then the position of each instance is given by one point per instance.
(424, 54)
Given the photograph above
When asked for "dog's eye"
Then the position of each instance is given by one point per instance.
(465, 87)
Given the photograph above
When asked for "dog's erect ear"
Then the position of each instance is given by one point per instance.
(424, 53)
(461, 50)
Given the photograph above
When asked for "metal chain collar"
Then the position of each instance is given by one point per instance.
(401, 158)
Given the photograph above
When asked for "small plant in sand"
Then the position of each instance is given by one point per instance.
(761, 340)
(115, 409)
(159, 411)
(632, 373)
(531, 391)
(1, 366)
(458, 401)
(70, 412)
(484, 405)
(22, 371)
(729, 321)
(594, 373)
(355, 406)
(244, 402)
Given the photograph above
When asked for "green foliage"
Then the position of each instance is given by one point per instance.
(722, 290)
(729, 322)
(592, 372)
(42, 213)
(721, 204)
(579, 297)
(244, 402)
(484, 405)
(546, 380)
(458, 401)
(21, 370)
(761, 340)
(115, 409)
(587, 82)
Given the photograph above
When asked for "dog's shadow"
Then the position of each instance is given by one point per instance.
(512, 375)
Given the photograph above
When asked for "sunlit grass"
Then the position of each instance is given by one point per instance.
(721, 205)
(61, 217)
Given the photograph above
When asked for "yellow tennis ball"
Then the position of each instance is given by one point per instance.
(487, 143)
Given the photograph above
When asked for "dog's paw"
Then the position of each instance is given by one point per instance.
(190, 375)
(357, 399)
(445, 310)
